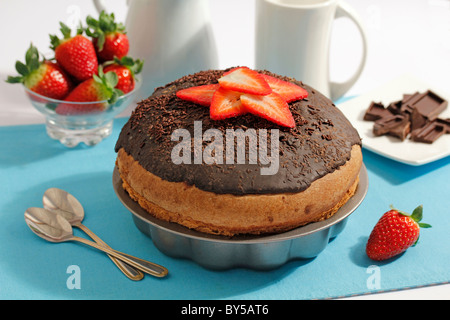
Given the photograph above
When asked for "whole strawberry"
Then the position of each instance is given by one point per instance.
(41, 76)
(126, 70)
(100, 88)
(394, 233)
(109, 37)
(75, 54)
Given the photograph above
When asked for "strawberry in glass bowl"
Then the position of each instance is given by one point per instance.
(77, 96)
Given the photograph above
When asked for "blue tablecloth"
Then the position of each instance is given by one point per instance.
(31, 268)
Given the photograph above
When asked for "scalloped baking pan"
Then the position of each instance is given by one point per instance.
(253, 252)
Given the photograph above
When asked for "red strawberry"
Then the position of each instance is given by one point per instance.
(109, 37)
(98, 88)
(43, 77)
(230, 97)
(289, 91)
(202, 95)
(271, 107)
(75, 54)
(245, 80)
(126, 70)
(394, 233)
(226, 104)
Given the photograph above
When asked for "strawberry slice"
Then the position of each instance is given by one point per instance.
(271, 107)
(289, 91)
(201, 95)
(226, 104)
(245, 80)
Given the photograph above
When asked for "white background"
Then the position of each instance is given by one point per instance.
(404, 36)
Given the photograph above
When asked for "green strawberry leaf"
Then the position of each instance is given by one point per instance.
(424, 225)
(417, 214)
(22, 68)
(65, 30)
(32, 57)
(111, 79)
(108, 81)
(416, 243)
(105, 24)
(51, 106)
(92, 22)
(116, 93)
(11, 79)
(100, 40)
(135, 66)
(54, 41)
(31, 64)
(80, 29)
(97, 79)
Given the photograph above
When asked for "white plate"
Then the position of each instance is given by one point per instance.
(408, 151)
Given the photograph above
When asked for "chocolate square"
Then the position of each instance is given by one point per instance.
(395, 107)
(429, 133)
(408, 103)
(416, 113)
(445, 123)
(417, 120)
(401, 131)
(430, 105)
(376, 111)
(389, 124)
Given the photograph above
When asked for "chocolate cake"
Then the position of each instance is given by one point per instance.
(317, 169)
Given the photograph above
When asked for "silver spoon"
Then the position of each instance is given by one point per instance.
(55, 228)
(63, 203)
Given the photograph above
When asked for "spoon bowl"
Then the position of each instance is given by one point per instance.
(51, 227)
(66, 205)
(55, 228)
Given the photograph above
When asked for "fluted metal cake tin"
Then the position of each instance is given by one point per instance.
(264, 252)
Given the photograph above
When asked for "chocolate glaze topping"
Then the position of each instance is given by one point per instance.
(318, 145)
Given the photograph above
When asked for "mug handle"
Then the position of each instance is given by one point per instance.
(99, 6)
(338, 89)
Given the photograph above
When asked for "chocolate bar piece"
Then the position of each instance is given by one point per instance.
(417, 120)
(429, 105)
(376, 111)
(401, 131)
(395, 107)
(429, 133)
(445, 123)
(389, 124)
(409, 101)
(406, 96)
(416, 113)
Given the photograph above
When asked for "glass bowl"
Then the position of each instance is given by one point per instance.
(88, 127)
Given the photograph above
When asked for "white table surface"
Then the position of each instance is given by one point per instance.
(405, 36)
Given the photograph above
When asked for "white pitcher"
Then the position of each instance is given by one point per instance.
(173, 37)
(293, 39)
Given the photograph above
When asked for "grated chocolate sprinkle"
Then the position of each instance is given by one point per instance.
(320, 142)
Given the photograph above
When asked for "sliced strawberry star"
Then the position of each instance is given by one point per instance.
(201, 95)
(271, 107)
(289, 91)
(245, 80)
(226, 104)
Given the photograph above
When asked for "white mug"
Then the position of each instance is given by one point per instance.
(293, 39)
(173, 37)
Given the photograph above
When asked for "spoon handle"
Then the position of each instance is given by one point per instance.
(131, 272)
(150, 268)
